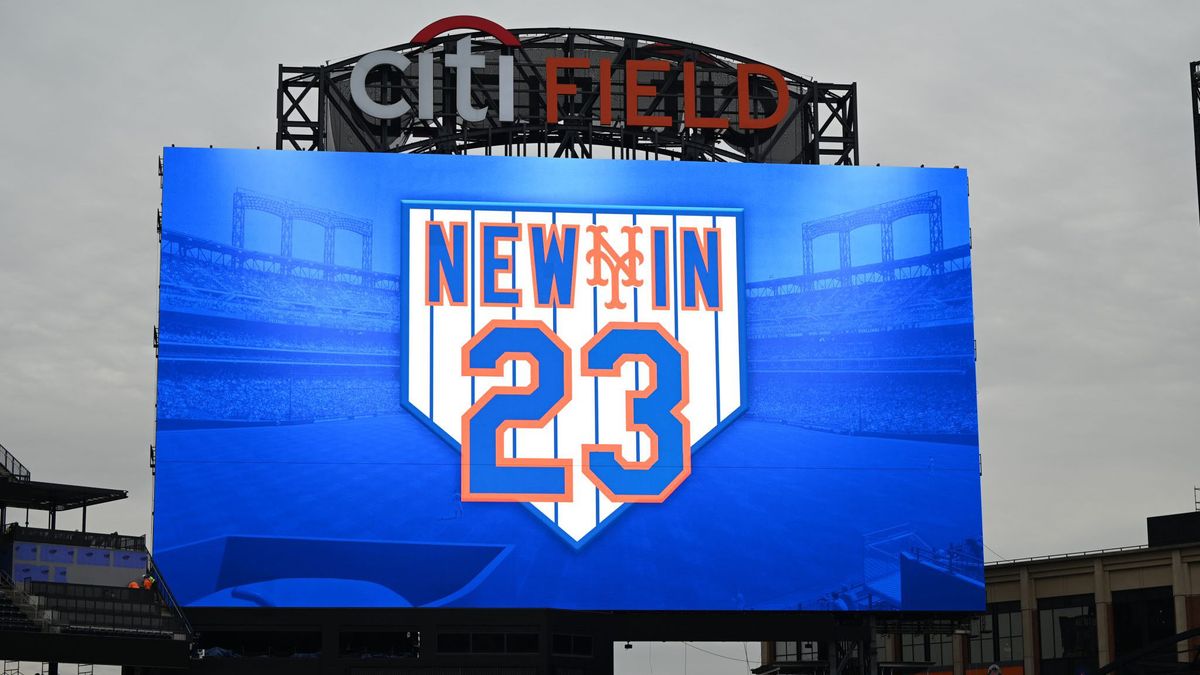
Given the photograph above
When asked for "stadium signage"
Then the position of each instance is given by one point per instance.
(565, 384)
(559, 83)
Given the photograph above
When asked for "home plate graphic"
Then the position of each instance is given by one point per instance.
(575, 356)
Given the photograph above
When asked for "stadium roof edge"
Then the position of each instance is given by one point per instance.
(54, 496)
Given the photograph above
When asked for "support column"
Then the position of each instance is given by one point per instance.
(960, 653)
(868, 655)
(330, 644)
(1029, 624)
(887, 243)
(935, 233)
(286, 229)
(1181, 589)
(1104, 650)
(238, 238)
(329, 239)
(844, 262)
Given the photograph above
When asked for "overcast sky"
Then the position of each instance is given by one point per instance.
(1072, 118)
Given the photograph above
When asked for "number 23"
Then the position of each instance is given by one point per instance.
(655, 410)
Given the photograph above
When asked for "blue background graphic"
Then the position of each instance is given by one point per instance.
(290, 474)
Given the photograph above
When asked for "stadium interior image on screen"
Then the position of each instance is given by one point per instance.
(398, 380)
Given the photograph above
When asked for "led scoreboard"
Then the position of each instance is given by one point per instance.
(454, 381)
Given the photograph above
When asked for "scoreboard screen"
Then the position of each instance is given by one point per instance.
(395, 380)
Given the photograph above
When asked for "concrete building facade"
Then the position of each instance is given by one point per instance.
(1113, 610)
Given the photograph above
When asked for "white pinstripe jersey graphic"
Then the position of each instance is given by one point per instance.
(711, 333)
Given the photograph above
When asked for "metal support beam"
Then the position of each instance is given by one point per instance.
(239, 221)
(844, 263)
(935, 233)
(1194, 76)
(887, 244)
(285, 237)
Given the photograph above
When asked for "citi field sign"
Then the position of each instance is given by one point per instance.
(622, 104)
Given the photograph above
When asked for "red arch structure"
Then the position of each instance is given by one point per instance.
(475, 23)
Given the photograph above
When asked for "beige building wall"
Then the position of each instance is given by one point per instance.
(1099, 575)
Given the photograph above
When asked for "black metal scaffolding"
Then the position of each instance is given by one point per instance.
(315, 110)
(1194, 73)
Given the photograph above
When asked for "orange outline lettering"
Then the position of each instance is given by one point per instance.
(630, 397)
(498, 371)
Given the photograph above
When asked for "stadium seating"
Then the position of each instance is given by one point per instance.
(11, 617)
(242, 345)
(206, 288)
(888, 305)
(103, 609)
(242, 393)
(247, 345)
(888, 358)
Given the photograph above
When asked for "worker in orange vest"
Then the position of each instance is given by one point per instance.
(147, 581)
(134, 584)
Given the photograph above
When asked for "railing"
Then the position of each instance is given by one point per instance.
(115, 541)
(168, 597)
(15, 469)
(22, 601)
(954, 561)
(1060, 556)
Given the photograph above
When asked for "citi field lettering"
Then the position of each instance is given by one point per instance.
(559, 83)
(553, 254)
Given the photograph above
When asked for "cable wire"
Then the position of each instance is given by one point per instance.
(727, 658)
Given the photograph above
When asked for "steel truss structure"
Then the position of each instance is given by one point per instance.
(314, 110)
(938, 261)
(883, 215)
(288, 213)
(1194, 73)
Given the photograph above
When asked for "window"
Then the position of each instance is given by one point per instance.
(380, 644)
(941, 649)
(1010, 638)
(279, 644)
(913, 648)
(785, 651)
(454, 643)
(937, 648)
(810, 651)
(1142, 617)
(487, 643)
(881, 647)
(996, 637)
(572, 645)
(521, 643)
(1067, 627)
(983, 639)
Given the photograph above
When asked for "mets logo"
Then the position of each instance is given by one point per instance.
(575, 356)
